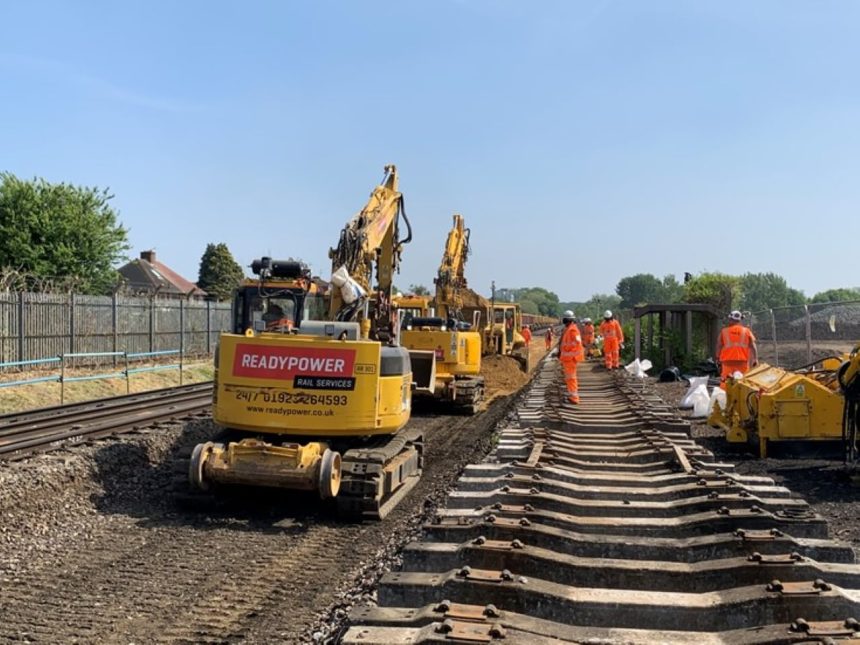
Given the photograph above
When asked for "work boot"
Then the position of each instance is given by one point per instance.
(571, 402)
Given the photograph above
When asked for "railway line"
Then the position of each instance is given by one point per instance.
(607, 524)
(25, 433)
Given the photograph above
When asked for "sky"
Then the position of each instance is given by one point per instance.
(582, 141)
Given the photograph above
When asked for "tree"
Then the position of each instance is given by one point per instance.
(639, 289)
(760, 291)
(419, 290)
(219, 273)
(593, 307)
(532, 300)
(717, 289)
(62, 231)
(673, 291)
(836, 295)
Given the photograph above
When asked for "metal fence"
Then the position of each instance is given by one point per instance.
(39, 325)
(791, 337)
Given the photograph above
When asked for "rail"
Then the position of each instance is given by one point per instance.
(607, 523)
(24, 433)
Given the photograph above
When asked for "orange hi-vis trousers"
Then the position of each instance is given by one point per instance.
(728, 368)
(611, 353)
(571, 381)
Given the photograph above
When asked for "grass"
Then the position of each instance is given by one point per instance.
(17, 398)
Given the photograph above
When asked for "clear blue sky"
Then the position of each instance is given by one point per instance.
(582, 141)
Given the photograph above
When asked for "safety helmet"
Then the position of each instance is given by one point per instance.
(736, 316)
(607, 314)
(567, 317)
(586, 320)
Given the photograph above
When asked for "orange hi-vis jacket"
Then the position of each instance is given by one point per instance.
(571, 345)
(588, 333)
(735, 343)
(611, 332)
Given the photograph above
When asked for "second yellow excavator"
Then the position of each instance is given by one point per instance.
(444, 350)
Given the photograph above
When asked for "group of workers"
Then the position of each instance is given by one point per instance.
(736, 348)
(575, 344)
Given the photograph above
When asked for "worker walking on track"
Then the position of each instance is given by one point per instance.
(613, 340)
(570, 354)
(587, 336)
(736, 348)
(548, 338)
(527, 334)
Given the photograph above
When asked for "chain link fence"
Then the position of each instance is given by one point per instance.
(791, 337)
(38, 325)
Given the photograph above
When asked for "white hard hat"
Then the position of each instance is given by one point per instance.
(586, 320)
(736, 316)
(568, 314)
(607, 314)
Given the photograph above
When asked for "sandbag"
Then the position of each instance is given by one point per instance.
(718, 395)
(700, 400)
(350, 290)
(695, 382)
(638, 368)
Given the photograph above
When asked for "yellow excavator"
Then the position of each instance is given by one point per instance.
(445, 351)
(314, 392)
(502, 333)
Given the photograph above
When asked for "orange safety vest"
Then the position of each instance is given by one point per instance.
(588, 333)
(611, 330)
(571, 345)
(735, 343)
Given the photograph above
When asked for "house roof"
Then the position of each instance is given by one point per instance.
(148, 274)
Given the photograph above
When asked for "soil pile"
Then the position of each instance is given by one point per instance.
(502, 375)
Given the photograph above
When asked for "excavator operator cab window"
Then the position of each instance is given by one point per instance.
(274, 312)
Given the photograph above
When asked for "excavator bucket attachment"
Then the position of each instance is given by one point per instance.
(522, 356)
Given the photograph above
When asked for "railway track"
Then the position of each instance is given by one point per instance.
(608, 524)
(24, 433)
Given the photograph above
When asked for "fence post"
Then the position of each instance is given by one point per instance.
(71, 322)
(152, 323)
(773, 335)
(114, 321)
(808, 334)
(208, 327)
(181, 336)
(21, 327)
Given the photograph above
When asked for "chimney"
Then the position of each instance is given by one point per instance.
(149, 256)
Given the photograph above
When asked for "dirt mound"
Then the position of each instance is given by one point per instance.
(502, 375)
(473, 300)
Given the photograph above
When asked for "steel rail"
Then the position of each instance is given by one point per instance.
(25, 433)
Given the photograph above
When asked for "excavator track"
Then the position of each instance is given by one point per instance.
(375, 478)
(605, 523)
(470, 394)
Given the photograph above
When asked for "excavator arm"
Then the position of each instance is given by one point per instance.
(451, 278)
(368, 241)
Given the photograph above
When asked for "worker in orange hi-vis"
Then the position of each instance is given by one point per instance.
(613, 340)
(736, 348)
(587, 335)
(527, 334)
(570, 354)
(548, 338)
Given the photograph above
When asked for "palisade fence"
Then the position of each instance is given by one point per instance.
(41, 325)
(792, 337)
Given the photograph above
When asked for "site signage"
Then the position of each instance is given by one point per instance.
(284, 363)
